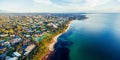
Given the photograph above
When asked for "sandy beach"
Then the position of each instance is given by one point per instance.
(51, 46)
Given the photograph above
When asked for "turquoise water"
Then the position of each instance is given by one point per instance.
(96, 38)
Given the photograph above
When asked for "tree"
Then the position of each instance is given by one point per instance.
(11, 31)
(18, 28)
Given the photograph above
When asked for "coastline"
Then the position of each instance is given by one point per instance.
(51, 45)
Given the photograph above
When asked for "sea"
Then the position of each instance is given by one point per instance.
(94, 38)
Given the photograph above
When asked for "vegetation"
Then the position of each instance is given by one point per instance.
(42, 48)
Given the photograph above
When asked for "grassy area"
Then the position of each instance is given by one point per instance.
(43, 45)
(42, 37)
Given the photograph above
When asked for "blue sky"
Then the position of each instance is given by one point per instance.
(58, 6)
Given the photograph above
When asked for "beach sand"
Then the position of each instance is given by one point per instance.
(51, 45)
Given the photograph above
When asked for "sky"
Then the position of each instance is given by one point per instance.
(60, 6)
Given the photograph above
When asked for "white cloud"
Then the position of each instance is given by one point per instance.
(43, 1)
(11, 6)
(118, 0)
(67, 6)
(74, 1)
(87, 5)
(95, 3)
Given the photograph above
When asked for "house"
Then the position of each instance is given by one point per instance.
(2, 47)
(15, 40)
(2, 42)
(26, 35)
(16, 54)
(3, 35)
(30, 31)
(11, 58)
(29, 49)
(7, 44)
(38, 31)
(26, 42)
(53, 25)
(38, 35)
(12, 35)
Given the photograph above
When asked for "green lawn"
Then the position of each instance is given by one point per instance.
(42, 37)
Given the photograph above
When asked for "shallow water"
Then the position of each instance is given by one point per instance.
(96, 38)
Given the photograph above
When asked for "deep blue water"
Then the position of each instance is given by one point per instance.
(96, 38)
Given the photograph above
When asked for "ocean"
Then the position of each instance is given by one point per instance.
(95, 38)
